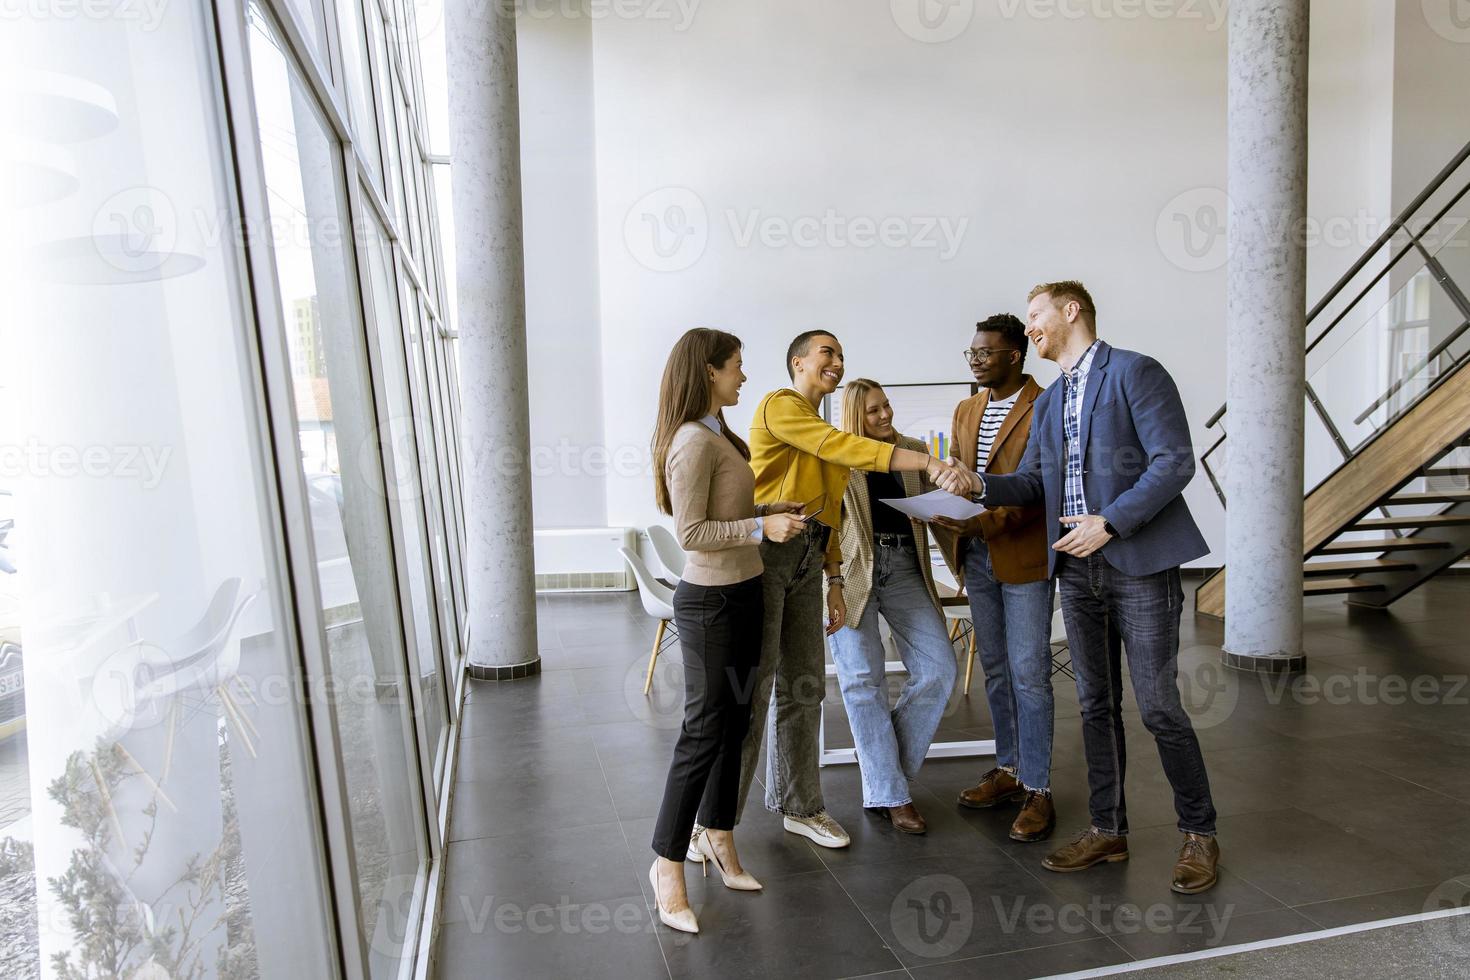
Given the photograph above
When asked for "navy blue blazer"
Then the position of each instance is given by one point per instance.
(1137, 460)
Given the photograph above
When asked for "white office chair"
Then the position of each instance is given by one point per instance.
(658, 602)
(670, 555)
(205, 659)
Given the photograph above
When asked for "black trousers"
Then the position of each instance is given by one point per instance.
(720, 635)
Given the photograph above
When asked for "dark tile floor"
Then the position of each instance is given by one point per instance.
(1344, 797)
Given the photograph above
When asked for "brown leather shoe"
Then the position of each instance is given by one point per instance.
(906, 819)
(1196, 871)
(1090, 847)
(996, 786)
(1037, 819)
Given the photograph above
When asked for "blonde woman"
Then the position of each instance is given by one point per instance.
(888, 574)
(702, 477)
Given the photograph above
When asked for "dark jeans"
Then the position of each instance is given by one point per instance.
(720, 636)
(1144, 612)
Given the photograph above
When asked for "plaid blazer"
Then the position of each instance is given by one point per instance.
(857, 537)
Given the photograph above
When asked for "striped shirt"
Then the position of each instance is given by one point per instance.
(990, 423)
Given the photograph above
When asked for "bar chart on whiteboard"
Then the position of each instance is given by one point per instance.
(920, 411)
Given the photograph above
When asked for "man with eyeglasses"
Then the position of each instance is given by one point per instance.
(1000, 557)
(1110, 457)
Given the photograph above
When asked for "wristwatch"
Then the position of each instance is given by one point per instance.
(1108, 527)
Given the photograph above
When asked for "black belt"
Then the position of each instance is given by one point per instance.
(886, 540)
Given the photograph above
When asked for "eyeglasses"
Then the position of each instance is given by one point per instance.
(974, 355)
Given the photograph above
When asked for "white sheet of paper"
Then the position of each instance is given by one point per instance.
(936, 503)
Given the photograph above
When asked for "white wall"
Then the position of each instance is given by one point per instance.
(1048, 146)
(558, 167)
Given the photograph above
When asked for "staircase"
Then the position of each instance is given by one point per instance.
(1387, 502)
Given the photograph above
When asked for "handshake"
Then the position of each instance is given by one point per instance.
(950, 475)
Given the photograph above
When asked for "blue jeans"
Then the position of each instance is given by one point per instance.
(1101, 606)
(891, 745)
(1013, 635)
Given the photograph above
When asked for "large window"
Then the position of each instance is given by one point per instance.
(230, 600)
(158, 802)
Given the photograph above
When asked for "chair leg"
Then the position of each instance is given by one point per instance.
(970, 663)
(237, 726)
(658, 640)
(138, 768)
(954, 630)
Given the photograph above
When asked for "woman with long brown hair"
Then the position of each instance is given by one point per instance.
(702, 477)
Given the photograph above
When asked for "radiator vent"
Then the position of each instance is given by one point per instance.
(584, 559)
(582, 582)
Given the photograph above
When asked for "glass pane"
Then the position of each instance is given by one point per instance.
(384, 69)
(426, 236)
(406, 493)
(410, 162)
(1449, 242)
(438, 413)
(158, 811)
(311, 17)
(448, 468)
(349, 523)
(424, 423)
(1369, 377)
(1320, 455)
(444, 201)
(360, 85)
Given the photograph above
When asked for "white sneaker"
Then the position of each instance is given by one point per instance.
(695, 853)
(820, 829)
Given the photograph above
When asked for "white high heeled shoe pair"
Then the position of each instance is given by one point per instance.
(684, 919)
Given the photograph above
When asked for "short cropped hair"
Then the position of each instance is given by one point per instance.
(1064, 292)
(1009, 326)
(801, 346)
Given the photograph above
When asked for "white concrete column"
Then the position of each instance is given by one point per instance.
(1266, 332)
(485, 148)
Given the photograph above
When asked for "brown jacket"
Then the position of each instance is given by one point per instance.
(1016, 535)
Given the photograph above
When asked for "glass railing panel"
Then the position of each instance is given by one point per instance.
(1320, 455)
(1372, 375)
(1435, 215)
(1393, 262)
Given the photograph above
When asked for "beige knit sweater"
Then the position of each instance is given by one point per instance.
(712, 489)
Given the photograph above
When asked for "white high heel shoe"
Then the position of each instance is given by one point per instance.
(743, 882)
(683, 921)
